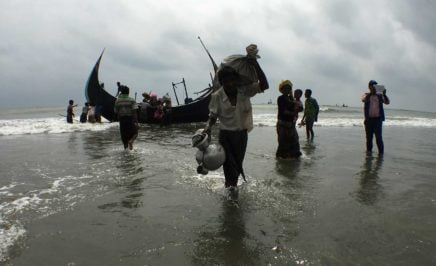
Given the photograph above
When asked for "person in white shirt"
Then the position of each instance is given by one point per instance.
(231, 105)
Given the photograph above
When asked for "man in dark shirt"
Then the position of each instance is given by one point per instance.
(118, 88)
(374, 116)
(126, 109)
(70, 111)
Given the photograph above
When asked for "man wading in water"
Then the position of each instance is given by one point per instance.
(70, 111)
(126, 109)
(231, 105)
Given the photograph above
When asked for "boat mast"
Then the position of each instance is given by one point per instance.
(175, 93)
(187, 99)
(215, 67)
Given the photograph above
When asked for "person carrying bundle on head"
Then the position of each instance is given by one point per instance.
(231, 105)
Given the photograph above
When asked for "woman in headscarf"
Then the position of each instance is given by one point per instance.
(289, 146)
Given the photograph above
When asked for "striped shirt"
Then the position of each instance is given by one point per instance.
(125, 106)
(311, 108)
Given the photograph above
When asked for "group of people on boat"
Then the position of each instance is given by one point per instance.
(154, 109)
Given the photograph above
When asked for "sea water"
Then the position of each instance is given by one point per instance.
(70, 194)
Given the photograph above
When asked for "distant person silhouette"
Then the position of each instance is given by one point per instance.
(118, 89)
(70, 111)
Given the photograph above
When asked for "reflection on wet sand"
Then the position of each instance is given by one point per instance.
(370, 190)
(308, 148)
(129, 164)
(131, 168)
(130, 178)
(72, 143)
(288, 168)
(97, 145)
(228, 245)
(180, 133)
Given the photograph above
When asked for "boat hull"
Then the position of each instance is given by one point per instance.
(195, 111)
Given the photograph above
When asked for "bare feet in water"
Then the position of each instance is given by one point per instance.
(131, 145)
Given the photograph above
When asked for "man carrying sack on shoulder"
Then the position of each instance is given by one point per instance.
(231, 105)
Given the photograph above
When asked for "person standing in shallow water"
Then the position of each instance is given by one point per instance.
(126, 109)
(231, 105)
(98, 112)
(84, 115)
(289, 146)
(374, 116)
(311, 110)
(70, 111)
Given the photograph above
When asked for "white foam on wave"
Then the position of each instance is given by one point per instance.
(5, 190)
(339, 122)
(31, 201)
(270, 120)
(254, 189)
(59, 125)
(41, 202)
(213, 181)
(47, 125)
(410, 122)
(9, 234)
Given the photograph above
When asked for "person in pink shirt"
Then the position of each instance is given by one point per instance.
(374, 116)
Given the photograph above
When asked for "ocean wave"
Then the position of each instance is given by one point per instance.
(340, 110)
(47, 125)
(41, 202)
(410, 122)
(9, 235)
(58, 125)
(270, 120)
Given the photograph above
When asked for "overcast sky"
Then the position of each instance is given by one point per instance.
(334, 47)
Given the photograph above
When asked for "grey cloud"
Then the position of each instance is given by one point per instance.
(418, 17)
(331, 46)
(341, 12)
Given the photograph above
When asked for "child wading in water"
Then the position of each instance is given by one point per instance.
(311, 110)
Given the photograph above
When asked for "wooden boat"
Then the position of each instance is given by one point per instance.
(194, 111)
